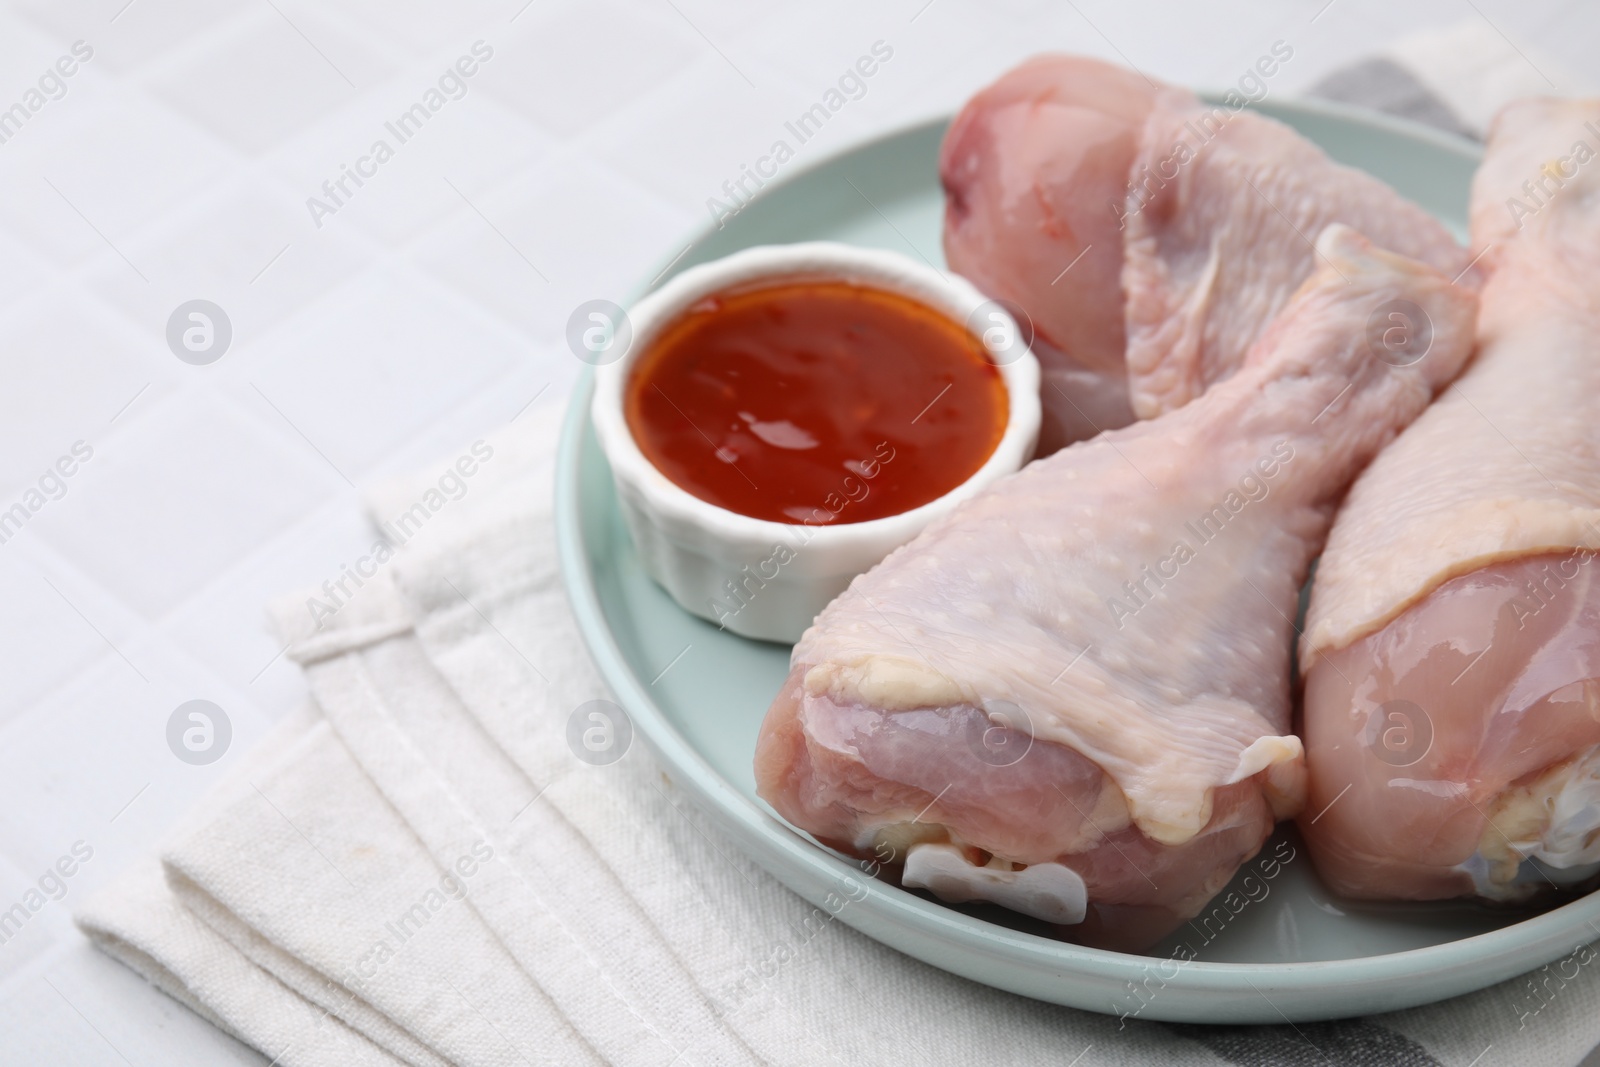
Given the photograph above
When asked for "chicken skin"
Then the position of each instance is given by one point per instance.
(1034, 169)
(1452, 648)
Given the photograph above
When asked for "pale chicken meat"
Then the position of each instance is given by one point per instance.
(1452, 648)
(1071, 696)
(1148, 236)
(1035, 168)
(1220, 213)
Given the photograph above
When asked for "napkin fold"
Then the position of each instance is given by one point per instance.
(419, 868)
(1456, 78)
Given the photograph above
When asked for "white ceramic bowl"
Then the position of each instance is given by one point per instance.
(768, 579)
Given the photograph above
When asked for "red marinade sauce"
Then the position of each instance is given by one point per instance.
(816, 402)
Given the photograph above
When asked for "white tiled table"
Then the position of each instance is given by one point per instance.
(429, 308)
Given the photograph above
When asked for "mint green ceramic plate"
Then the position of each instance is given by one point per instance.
(697, 695)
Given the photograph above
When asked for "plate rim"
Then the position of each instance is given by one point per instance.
(890, 914)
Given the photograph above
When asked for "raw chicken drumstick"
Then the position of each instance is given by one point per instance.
(1071, 184)
(1071, 696)
(1452, 651)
